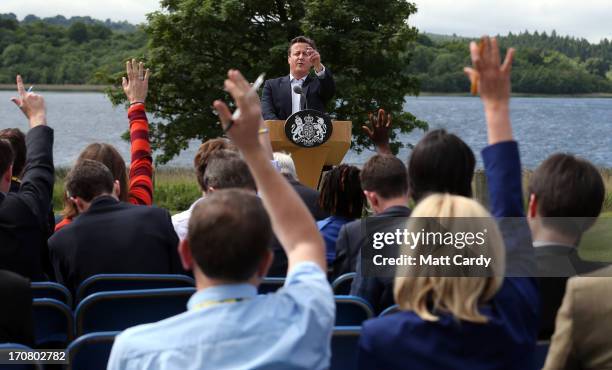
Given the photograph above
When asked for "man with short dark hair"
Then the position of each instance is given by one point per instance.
(280, 100)
(109, 236)
(385, 185)
(566, 195)
(218, 167)
(23, 214)
(227, 325)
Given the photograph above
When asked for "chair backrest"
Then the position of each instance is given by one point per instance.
(270, 285)
(352, 310)
(91, 351)
(114, 282)
(53, 323)
(344, 347)
(119, 310)
(48, 289)
(389, 310)
(342, 284)
(7, 347)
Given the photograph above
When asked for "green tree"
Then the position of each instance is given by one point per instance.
(194, 42)
(77, 32)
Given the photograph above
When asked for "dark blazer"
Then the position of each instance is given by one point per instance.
(16, 309)
(23, 215)
(310, 197)
(276, 98)
(556, 263)
(114, 237)
(508, 339)
(353, 237)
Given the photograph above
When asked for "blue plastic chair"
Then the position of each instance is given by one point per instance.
(5, 347)
(390, 310)
(53, 323)
(115, 282)
(342, 284)
(271, 285)
(344, 347)
(91, 351)
(351, 311)
(119, 310)
(48, 289)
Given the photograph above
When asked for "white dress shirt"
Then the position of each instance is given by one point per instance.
(295, 98)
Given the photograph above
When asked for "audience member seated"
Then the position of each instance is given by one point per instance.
(582, 332)
(16, 310)
(309, 196)
(385, 185)
(440, 163)
(566, 196)
(487, 322)
(23, 214)
(110, 236)
(18, 143)
(227, 325)
(341, 197)
(180, 221)
(137, 188)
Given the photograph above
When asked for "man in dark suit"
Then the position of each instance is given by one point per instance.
(566, 196)
(385, 184)
(279, 99)
(23, 215)
(16, 311)
(110, 236)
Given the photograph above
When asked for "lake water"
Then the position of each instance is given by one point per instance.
(542, 125)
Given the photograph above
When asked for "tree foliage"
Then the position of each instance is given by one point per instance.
(192, 44)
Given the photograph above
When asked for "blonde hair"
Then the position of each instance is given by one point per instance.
(426, 289)
(286, 164)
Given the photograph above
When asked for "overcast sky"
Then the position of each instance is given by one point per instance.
(591, 19)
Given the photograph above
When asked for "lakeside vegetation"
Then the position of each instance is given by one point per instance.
(84, 51)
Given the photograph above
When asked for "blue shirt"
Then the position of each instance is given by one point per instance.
(289, 329)
(330, 229)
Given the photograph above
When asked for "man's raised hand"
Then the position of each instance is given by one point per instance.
(379, 131)
(136, 85)
(243, 130)
(32, 105)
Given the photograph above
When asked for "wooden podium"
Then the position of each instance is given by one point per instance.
(310, 161)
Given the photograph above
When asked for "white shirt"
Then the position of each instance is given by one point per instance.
(295, 98)
(180, 221)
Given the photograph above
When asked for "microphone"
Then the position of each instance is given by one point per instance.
(303, 102)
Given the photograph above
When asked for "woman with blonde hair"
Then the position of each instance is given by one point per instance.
(455, 310)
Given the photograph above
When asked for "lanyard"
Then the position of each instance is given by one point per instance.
(206, 304)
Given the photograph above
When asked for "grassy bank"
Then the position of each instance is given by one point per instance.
(176, 188)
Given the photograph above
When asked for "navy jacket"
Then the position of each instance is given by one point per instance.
(276, 98)
(403, 340)
(23, 215)
(114, 237)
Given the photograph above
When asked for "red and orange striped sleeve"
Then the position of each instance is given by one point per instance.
(140, 189)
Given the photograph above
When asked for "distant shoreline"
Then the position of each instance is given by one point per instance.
(103, 88)
(62, 88)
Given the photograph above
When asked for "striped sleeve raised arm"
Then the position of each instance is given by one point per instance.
(141, 167)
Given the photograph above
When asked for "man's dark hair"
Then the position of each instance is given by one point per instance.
(89, 179)
(229, 233)
(18, 143)
(568, 187)
(386, 175)
(303, 40)
(6, 155)
(341, 193)
(200, 161)
(227, 170)
(440, 163)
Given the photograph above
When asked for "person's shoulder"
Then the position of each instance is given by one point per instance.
(276, 81)
(307, 277)
(10, 278)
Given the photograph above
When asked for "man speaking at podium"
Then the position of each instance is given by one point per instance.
(299, 90)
